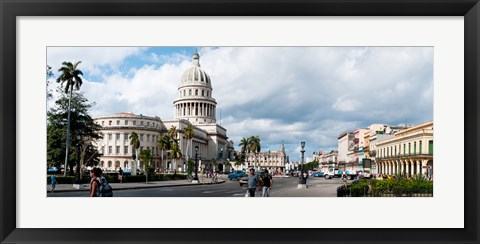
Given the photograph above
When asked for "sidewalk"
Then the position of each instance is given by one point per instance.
(137, 185)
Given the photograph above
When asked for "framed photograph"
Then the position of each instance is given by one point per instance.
(447, 31)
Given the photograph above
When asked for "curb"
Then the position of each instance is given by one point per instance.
(142, 187)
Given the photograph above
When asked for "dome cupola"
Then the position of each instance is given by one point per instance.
(195, 102)
(195, 74)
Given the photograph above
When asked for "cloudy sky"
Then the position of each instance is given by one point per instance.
(288, 94)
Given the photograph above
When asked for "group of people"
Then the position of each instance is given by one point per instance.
(97, 181)
(263, 184)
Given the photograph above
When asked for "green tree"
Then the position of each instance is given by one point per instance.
(190, 167)
(164, 144)
(245, 147)
(135, 143)
(255, 147)
(81, 124)
(175, 152)
(71, 75)
(146, 157)
(189, 132)
(48, 76)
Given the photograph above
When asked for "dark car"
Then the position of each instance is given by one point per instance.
(237, 174)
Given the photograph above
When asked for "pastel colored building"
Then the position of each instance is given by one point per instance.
(408, 152)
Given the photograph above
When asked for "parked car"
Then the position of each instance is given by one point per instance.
(236, 174)
(53, 170)
(243, 181)
(129, 172)
(318, 174)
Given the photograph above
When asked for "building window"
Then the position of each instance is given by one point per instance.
(126, 122)
(148, 137)
(404, 149)
(414, 148)
(148, 123)
(103, 123)
(109, 149)
(125, 150)
(109, 136)
(208, 93)
(109, 164)
(109, 122)
(103, 149)
(141, 137)
(190, 92)
(118, 122)
(117, 136)
(196, 92)
(117, 150)
(134, 122)
(125, 136)
(409, 148)
(141, 122)
(420, 148)
(203, 93)
(184, 93)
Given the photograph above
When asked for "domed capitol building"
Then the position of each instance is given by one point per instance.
(194, 106)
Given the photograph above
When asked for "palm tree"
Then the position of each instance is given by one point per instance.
(146, 157)
(175, 152)
(164, 144)
(189, 132)
(135, 142)
(172, 132)
(245, 144)
(71, 75)
(255, 146)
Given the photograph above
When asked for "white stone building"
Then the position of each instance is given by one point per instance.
(194, 105)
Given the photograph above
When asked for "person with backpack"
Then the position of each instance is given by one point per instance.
(105, 188)
(267, 184)
(99, 186)
(95, 175)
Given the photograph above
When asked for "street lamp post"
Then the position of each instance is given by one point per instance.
(302, 182)
(195, 178)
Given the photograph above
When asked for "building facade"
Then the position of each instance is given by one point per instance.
(194, 106)
(273, 161)
(408, 152)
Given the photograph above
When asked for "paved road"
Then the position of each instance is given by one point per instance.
(282, 187)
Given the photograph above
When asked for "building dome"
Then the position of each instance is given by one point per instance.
(195, 74)
(195, 102)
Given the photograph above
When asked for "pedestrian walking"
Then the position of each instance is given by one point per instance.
(267, 183)
(344, 180)
(253, 182)
(53, 182)
(95, 175)
(120, 175)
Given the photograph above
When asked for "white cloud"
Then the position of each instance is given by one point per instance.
(289, 94)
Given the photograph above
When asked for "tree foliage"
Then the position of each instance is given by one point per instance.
(81, 123)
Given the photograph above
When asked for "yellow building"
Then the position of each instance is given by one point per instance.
(409, 152)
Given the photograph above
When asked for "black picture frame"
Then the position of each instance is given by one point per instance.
(10, 9)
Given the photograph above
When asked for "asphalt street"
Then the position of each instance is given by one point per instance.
(282, 187)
